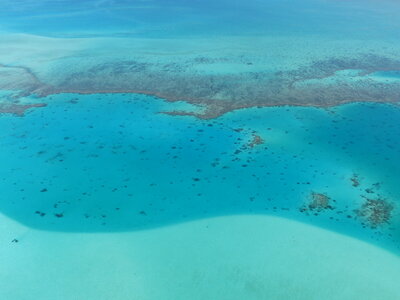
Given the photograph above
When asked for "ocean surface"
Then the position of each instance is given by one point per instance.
(199, 149)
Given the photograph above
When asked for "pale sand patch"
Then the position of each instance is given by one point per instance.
(235, 257)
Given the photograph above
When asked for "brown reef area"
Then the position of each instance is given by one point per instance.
(222, 93)
(318, 202)
(375, 212)
(18, 109)
(257, 140)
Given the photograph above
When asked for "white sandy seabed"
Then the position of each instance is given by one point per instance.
(232, 257)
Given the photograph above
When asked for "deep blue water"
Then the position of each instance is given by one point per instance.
(194, 18)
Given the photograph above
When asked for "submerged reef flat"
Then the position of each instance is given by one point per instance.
(19, 78)
(17, 109)
(305, 86)
(210, 73)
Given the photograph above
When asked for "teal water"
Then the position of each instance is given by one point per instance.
(199, 149)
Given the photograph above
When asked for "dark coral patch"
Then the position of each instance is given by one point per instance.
(318, 203)
(375, 212)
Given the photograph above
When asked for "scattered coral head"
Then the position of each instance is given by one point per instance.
(355, 180)
(376, 212)
(319, 202)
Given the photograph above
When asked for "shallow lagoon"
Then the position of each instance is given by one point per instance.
(95, 163)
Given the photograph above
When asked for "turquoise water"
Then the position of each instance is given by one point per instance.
(199, 149)
(114, 163)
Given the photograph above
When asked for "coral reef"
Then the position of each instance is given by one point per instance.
(257, 140)
(375, 212)
(318, 203)
(355, 181)
(221, 93)
(18, 109)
